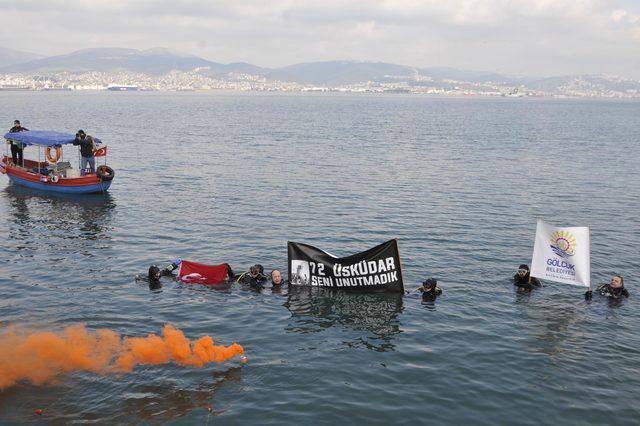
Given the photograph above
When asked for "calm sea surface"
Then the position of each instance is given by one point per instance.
(228, 177)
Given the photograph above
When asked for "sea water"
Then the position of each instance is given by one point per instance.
(231, 177)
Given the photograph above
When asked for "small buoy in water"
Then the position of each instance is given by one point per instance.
(39, 411)
(243, 359)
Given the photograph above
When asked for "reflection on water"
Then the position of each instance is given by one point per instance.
(64, 217)
(56, 232)
(143, 399)
(316, 309)
(465, 212)
(554, 327)
(428, 303)
(162, 403)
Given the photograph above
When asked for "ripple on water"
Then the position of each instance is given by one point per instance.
(232, 177)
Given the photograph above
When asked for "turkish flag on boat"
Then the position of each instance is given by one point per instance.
(200, 273)
(102, 152)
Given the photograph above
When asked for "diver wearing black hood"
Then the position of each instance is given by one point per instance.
(254, 277)
(430, 290)
(155, 273)
(615, 289)
(523, 279)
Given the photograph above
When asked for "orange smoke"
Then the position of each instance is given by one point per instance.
(39, 357)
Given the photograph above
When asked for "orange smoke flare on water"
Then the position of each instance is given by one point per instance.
(39, 357)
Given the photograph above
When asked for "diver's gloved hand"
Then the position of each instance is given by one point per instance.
(588, 295)
(174, 265)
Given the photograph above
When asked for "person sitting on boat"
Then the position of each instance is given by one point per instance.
(87, 149)
(614, 290)
(17, 147)
(155, 273)
(430, 290)
(523, 279)
(255, 277)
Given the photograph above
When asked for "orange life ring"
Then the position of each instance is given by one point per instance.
(51, 158)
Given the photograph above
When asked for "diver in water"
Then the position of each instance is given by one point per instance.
(430, 290)
(614, 290)
(255, 277)
(276, 278)
(155, 273)
(523, 279)
(277, 282)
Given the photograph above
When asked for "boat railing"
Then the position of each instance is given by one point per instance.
(59, 168)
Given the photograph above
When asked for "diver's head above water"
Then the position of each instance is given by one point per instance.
(617, 281)
(429, 284)
(523, 271)
(256, 270)
(430, 289)
(276, 277)
(154, 274)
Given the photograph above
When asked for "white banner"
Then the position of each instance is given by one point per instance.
(562, 254)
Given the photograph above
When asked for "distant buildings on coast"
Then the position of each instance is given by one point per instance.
(195, 81)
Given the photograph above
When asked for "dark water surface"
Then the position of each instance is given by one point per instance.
(229, 177)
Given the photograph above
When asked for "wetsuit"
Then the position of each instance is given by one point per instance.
(230, 273)
(277, 288)
(430, 295)
(523, 283)
(154, 283)
(608, 291)
(256, 282)
(17, 147)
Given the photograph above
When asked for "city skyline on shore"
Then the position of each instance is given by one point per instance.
(161, 69)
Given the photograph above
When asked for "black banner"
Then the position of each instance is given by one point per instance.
(375, 269)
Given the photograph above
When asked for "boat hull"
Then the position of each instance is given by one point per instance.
(67, 189)
(81, 185)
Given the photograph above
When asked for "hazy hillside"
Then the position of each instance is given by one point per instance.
(339, 72)
(201, 73)
(11, 57)
(445, 73)
(153, 61)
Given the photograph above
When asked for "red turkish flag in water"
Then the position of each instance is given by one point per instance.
(202, 274)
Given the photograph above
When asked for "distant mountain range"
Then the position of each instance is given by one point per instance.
(153, 61)
(159, 61)
(12, 57)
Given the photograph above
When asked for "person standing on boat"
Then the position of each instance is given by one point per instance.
(17, 147)
(87, 149)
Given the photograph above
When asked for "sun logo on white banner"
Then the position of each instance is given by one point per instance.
(563, 243)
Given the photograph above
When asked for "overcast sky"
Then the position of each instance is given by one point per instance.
(521, 37)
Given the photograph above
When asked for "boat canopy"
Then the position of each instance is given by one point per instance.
(41, 137)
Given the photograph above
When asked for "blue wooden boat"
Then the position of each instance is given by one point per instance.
(50, 172)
